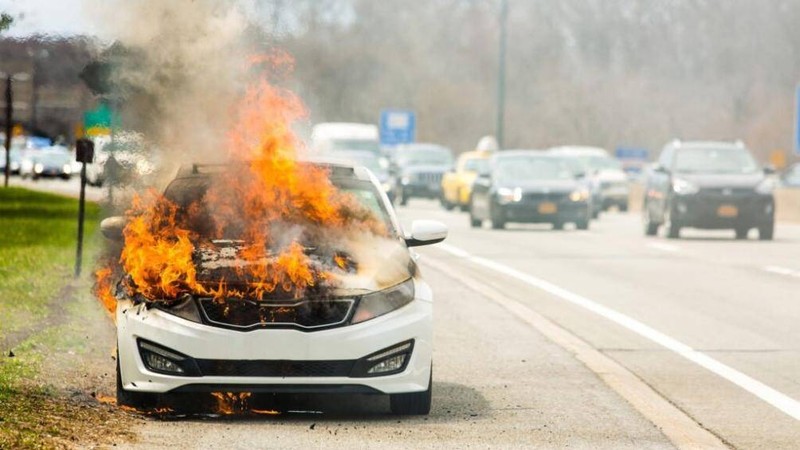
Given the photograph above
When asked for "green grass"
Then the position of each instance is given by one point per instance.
(37, 256)
(37, 252)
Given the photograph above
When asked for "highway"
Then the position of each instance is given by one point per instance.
(580, 339)
(589, 339)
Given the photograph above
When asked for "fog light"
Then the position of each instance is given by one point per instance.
(389, 365)
(385, 362)
(161, 360)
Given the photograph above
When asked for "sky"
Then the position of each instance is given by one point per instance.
(52, 17)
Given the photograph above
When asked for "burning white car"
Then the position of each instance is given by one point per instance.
(204, 308)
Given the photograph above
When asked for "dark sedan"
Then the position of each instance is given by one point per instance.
(709, 185)
(527, 186)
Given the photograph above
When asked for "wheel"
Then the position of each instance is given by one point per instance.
(445, 204)
(582, 224)
(138, 400)
(741, 233)
(403, 198)
(498, 222)
(673, 231)
(623, 207)
(413, 403)
(765, 232)
(595, 214)
(558, 225)
(474, 222)
(650, 227)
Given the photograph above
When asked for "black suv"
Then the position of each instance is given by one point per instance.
(709, 185)
(419, 169)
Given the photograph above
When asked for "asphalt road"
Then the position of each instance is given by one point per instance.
(582, 339)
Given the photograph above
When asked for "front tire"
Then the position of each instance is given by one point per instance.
(741, 233)
(138, 400)
(498, 221)
(766, 232)
(413, 403)
(582, 224)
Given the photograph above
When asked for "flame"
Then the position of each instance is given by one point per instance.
(229, 403)
(266, 199)
(103, 289)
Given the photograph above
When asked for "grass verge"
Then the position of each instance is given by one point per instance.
(43, 318)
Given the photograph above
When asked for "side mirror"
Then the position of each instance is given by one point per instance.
(660, 169)
(426, 232)
(769, 170)
(112, 228)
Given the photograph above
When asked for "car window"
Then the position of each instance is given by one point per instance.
(714, 160)
(425, 156)
(521, 168)
(476, 165)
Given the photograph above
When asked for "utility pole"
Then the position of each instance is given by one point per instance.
(501, 74)
(9, 127)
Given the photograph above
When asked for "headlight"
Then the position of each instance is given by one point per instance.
(386, 187)
(405, 180)
(38, 168)
(581, 195)
(767, 186)
(185, 307)
(67, 169)
(683, 187)
(379, 303)
(507, 195)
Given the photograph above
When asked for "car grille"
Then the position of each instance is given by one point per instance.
(537, 197)
(274, 368)
(246, 314)
(726, 192)
(429, 177)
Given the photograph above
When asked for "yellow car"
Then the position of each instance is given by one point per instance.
(457, 185)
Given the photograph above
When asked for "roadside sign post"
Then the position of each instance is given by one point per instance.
(84, 153)
(397, 126)
(9, 128)
(797, 120)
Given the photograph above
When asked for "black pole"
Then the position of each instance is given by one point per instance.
(9, 128)
(501, 74)
(81, 208)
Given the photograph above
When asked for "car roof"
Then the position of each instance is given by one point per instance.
(578, 150)
(339, 169)
(523, 152)
(717, 145)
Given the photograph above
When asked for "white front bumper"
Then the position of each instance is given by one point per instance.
(413, 321)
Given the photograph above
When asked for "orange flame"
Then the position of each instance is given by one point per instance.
(266, 200)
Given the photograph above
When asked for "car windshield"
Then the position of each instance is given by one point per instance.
(714, 160)
(186, 191)
(356, 144)
(602, 163)
(526, 168)
(427, 156)
(53, 157)
(476, 165)
(361, 158)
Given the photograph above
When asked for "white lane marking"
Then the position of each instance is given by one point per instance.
(781, 401)
(664, 247)
(675, 424)
(782, 271)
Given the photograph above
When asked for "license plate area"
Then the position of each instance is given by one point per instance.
(547, 208)
(727, 211)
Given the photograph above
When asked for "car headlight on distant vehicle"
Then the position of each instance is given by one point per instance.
(684, 187)
(508, 195)
(67, 169)
(38, 168)
(405, 180)
(767, 186)
(386, 187)
(379, 303)
(580, 195)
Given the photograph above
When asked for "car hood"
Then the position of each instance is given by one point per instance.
(542, 186)
(611, 175)
(373, 264)
(747, 180)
